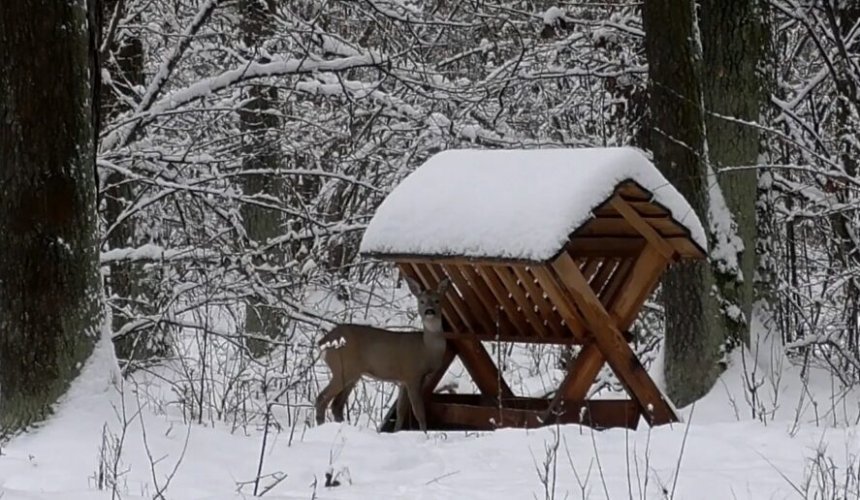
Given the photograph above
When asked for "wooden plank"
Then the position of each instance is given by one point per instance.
(613, 346)
(600, 278)
(606, 226)
(486, 296)
(607, 295)
(581, 373)
(645, 229)
(630, 190)
(457, 260)
(613, 224)
(594, 246)
(590, 266)
(449, 411)
(509, 281)
(641, 281)
(501, 294)
(537, 297)
(686, 248)
(646, 208)
(526, 339)
(562, 302)
(477, 308)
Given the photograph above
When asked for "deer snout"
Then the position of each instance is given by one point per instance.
(429, 312)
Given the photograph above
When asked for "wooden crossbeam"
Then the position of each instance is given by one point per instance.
(473, 412)
(636, 279)
(528, 339)
(612, 344)
(642, 226)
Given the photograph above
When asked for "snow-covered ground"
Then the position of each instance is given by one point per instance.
(721, 451)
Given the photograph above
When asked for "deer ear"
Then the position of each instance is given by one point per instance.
(413, 285)
(443, 286)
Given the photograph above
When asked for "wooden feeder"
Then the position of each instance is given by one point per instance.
(542, 246)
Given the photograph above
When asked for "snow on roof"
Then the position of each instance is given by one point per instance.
(510, 204)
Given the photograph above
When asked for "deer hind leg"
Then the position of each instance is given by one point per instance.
(416, 397)
(339, 401)
(325, 396)
(403, 411)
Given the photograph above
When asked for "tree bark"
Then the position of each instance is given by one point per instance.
(49, 282)
(260, 125)
(129, 295)
(733, 46)
(695, 330)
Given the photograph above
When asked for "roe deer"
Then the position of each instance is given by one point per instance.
(407, 358)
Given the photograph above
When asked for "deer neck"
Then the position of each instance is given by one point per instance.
(433, 338)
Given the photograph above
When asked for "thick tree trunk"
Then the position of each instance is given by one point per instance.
(703, 80)
(262, 320)
(694, 330)
(733, 46)
(49, 281)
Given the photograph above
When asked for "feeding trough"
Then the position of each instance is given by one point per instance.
(559, 246)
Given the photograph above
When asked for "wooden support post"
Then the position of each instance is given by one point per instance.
(613, 346)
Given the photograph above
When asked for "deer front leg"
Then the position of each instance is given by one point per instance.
(416, 397)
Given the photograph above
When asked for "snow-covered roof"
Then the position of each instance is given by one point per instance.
(511, 204)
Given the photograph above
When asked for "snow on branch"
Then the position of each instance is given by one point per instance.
(253, 70)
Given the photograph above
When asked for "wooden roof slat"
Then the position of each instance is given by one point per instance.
(478, 310)
(510, 283)
(632, 191)
(617, 225)
(596, 246)
(487, 298)
(566, 306)
(622, 271)
(590, 266)
(646, 208)
(645, 229)
(600, 278)
(529, 339)
(501, 293)
(606, 226)
(536, 295)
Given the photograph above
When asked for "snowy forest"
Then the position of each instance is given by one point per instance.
(186, 184)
